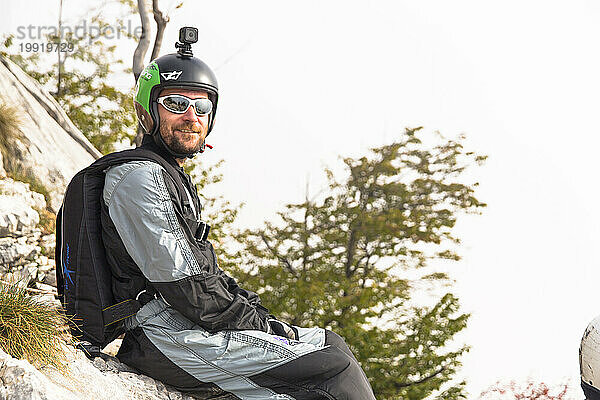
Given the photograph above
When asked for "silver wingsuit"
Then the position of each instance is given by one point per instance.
(199, 331)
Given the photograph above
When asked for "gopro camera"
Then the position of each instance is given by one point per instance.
(188, 34)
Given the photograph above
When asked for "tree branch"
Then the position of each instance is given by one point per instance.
(144, 43)
(367, 268)
(350, 250)
(422, 380)
(161, 23)
(284, 260)
(306, 232)
(60, 59)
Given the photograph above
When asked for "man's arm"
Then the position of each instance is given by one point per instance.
(233, 287)
(155, 236)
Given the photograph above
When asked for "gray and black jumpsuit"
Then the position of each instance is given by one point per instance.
(201, 332)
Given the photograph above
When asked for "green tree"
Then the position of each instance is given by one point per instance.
(216, 211)
(353, 260)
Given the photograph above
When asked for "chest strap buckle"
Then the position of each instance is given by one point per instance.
(202, 231)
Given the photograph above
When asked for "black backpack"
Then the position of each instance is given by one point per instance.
(83, 275)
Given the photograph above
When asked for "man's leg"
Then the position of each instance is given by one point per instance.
(329, 373)
(250, 364)
(333, 339)
(165, 345)
(137, 351)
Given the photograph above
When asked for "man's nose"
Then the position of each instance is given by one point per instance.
(190, 115)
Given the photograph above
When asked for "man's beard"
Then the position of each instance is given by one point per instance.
(176, 143)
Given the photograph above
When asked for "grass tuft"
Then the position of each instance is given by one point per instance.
(31, 328)
(47, 221)
(27, 176)
(10, 120)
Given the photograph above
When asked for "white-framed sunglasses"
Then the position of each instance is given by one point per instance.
(179, 104)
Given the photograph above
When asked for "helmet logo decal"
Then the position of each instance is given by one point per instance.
(171, 75)
(147, 75)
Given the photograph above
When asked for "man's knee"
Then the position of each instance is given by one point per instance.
(329, 370)
(351, 382)
(333, 339)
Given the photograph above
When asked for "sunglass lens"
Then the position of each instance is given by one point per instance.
(176, 104)
(202, 106)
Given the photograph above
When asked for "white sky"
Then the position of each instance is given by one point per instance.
(309, 81)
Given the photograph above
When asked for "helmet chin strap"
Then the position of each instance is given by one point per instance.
(203, 147)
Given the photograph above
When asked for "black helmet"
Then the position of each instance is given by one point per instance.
(178, 70)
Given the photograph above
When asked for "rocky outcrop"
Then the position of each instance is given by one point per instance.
(49, 146)
(25, 252)
(18, 206)
(101, 379)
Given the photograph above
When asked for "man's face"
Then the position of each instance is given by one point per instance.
(183, 133)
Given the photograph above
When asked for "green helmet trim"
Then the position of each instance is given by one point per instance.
(149, 78)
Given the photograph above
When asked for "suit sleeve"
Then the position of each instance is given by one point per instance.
(156, 237)
(233, 287)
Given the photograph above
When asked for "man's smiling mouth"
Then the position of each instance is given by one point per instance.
(187, 131)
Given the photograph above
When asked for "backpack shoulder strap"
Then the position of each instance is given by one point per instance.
(141, 154)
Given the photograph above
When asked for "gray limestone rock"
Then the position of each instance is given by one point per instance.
(16, 252)
(103, 378)
(16, 218)
(48, 269)
(48, 244)
(18, 205)
(50, 279)
(175, 396)
(22, 276)
(85, 379)
(22, 192)
(50, 147)
(20, 380)
(100, 364)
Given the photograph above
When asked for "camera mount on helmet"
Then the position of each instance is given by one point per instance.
(187, 36)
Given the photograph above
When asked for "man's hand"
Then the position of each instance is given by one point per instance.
(280, 328)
